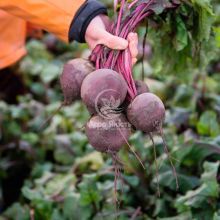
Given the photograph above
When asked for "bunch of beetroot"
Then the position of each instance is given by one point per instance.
(103, 91)
(117, 103)
(113, 114)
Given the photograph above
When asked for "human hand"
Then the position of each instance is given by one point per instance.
(96, 34)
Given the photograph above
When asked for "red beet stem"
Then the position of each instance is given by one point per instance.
(119, 17)
(121, 61)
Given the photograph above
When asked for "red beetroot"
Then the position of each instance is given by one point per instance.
(141, 87)
(71, 78)
(146, 112)
(101, 88)
(108, 135)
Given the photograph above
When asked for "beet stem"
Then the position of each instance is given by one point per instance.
(119, 18)
(143, 48)
(116, 201)
(120, 166)
(115, 181)
(169, 157)
(119, 161)
(138, 158)
(132, 4)
(156, 165)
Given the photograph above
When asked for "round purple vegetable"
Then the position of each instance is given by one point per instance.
(108, 135)
(103, 88)
(72, 76)
(146, 112)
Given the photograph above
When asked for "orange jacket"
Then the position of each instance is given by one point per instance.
(54, 16)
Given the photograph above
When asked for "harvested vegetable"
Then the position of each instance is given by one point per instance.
(146, 112)
(71, 80)
(108, 135)
(72, 77)
(103, 88)
(141, 87)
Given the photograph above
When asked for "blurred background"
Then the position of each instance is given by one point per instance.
(54, 174)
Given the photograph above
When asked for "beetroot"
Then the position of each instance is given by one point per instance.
(51, 42)
(108, 135)
(71, 78)
(141, 87)
(144, 50)
(146, 112)
(103, 88)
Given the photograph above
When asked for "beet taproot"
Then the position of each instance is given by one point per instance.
(103, 88)
(141, 87)
(146, 112)
(72, 77)
(71, 80)
(108, 135)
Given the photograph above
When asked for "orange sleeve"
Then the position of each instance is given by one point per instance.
(12, 39)
(54, 16)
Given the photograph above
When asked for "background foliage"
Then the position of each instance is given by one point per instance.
(54, 174)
